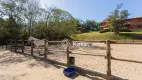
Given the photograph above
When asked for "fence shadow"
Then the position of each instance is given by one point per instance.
(84, 75)
(91, 77)
(57, 65)
(8, 59)
(90, 54)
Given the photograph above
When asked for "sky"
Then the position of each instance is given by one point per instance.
(97, 10)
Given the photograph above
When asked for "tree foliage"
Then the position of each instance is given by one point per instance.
(23, 18)
(58, 24)
(88, 25)
(116, 19)
(91, 25)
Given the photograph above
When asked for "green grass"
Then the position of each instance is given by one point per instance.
(108, 35)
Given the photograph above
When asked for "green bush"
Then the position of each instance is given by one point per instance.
(137, 30)
(104, 30)
(125, 30)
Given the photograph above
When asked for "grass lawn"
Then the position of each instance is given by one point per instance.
(108, 35)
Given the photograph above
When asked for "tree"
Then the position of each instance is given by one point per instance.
(12, 9)
(124, 14)
(57, 24)
(2, 30)
(116, 19)
(31, 13)
(80, 25)
(62, 23)
(91, 25)
(88, 25)
(24, 18)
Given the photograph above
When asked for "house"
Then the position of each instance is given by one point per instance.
(104, 24)
(134, 23)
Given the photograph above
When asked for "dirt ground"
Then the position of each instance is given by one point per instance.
(19, 67)
(126, 63)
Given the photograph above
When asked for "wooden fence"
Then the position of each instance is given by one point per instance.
(108, 76)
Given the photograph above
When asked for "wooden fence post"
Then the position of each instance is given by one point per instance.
(67, 50)
(15, 45)
(23, 46)
(11, 41)
(32, 47)
(45, 48)
(108, 57)
(6, 44)
(2, 44)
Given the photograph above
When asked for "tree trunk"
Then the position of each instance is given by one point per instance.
(116, 30)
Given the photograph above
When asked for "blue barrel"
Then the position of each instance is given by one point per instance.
(69, 71)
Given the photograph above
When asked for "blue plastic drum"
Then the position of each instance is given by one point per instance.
(69, 71)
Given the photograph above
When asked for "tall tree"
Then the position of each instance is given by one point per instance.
(116, 18)
(12, 9)
(57, 24)
(23, 18)
(31, 13)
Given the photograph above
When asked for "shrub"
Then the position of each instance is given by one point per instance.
(125, 30)
(137, 30)
(104, 30)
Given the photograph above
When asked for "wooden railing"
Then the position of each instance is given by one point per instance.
(107, 76)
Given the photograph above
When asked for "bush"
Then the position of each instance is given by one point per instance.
(137, 30)
(125, 30)
(104, 31)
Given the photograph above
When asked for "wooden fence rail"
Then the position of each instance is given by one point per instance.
(108, 51)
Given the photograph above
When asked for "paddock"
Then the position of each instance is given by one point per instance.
(20, 67)
(124, 61)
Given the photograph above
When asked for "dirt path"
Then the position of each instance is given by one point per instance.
(126, 63)
(18, 67)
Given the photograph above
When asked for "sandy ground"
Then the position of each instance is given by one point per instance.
(19, 67)
(128, 63)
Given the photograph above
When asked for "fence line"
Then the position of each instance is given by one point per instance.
(107, 76)
(98, 41)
